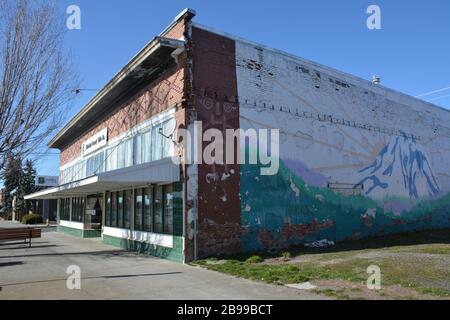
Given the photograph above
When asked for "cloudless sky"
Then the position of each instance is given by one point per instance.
(411, 53)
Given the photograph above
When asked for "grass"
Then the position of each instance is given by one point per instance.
(408, 271)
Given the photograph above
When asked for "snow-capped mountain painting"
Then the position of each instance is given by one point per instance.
(401, 169)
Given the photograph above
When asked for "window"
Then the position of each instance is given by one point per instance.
(120, 209)
(147, 147)
(121, 155)
(168, 143)
(138, 209)
(168, 209)
(111, 155)
(114, 210)
(156, 143)
(158, 222)
(128, 153)
(148, 209)
(137, 149)
(77, 209)
(108, 210)
(95, 164)
(127, 209)
(64, 209)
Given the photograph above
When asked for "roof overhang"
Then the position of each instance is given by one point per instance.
(158, 172)
(156, 57)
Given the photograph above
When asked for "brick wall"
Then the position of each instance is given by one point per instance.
(215, 88)
(158, 96)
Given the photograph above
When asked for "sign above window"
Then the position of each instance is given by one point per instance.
(98, 141)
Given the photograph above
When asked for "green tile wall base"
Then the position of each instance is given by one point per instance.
(79, 233)
(173, 254)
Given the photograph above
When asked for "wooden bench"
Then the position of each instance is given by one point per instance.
(15, 234)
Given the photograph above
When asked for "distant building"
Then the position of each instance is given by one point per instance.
(47, 208)
(356, 159)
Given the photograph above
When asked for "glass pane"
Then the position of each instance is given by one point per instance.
(156, 143)
(138, 209)
(147, 147)
(168, 209)
(168, 148)
(129, 153)
(148, 210)
(158, 209)
(120, 209)
(127, 209)
(112, 158)
(108, 210)
(137, 149)
(114, 210)
(99, 163)
(121, 155)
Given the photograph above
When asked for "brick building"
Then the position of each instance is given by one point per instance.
(356, 159)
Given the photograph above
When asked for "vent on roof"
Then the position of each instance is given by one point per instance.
(376, 80)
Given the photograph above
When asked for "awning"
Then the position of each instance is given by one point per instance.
(157, 172)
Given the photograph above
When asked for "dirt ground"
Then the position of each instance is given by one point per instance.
(413, 266)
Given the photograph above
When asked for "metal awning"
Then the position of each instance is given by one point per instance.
(157, 172)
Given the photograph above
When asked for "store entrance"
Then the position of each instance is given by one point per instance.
(94, 212)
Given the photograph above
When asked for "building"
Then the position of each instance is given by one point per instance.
(47, 208)
(356, 159)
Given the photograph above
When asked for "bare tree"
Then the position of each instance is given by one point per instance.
(36, 76)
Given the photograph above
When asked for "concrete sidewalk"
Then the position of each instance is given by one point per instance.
(110, 273)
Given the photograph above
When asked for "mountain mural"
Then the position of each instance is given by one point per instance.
(401, 169)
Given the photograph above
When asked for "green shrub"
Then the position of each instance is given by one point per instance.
(254, 259)
(286, 255)
(32, 219)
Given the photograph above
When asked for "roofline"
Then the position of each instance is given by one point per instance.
(135, 61)
(318, 65)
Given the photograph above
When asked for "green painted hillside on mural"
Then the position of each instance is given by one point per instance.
(283, 210)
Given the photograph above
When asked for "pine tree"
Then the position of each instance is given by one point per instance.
(29, 182)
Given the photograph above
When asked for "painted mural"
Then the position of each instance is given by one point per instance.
(356, 160)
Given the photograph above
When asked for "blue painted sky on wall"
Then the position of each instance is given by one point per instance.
(411, 52)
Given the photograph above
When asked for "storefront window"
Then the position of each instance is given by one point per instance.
(120, 209)
(158, 210)
(148, 209)
(77, 209)
(127, 209)
(64, 209)
(138, 209)
(168, 209)
(114, 210)
(108, 209)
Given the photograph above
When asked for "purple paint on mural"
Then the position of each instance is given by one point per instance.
(397, 206)
(309, 176)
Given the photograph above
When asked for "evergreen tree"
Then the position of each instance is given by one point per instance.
(29, 182)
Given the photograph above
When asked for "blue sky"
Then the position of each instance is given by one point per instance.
(411, 53)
